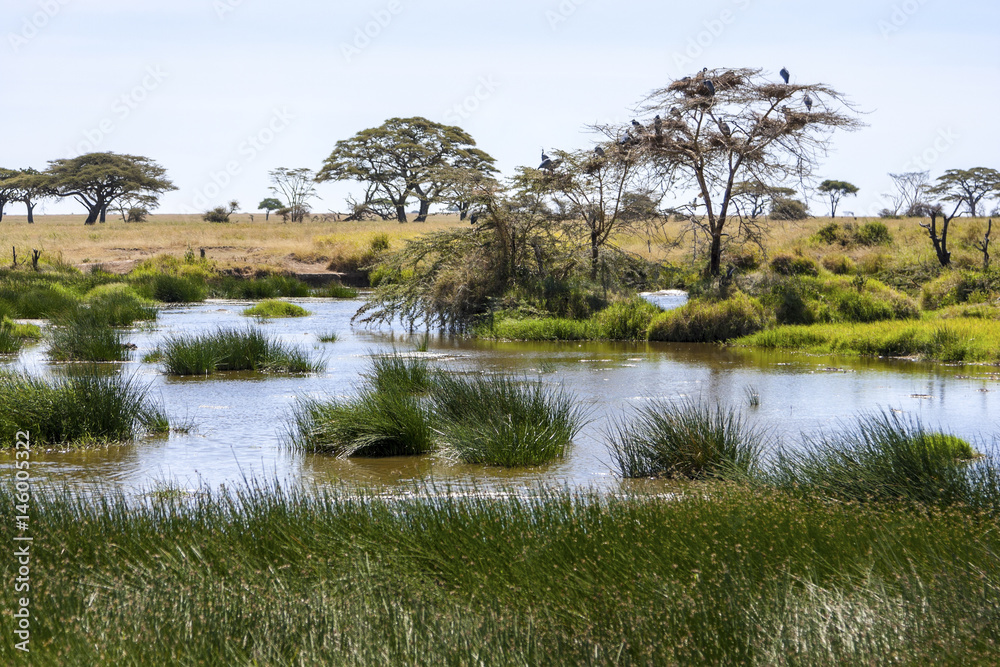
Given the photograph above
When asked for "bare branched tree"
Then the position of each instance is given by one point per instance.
(911, 189)
(724, 126)
(297, 187)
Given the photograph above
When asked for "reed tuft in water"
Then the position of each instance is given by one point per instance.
(504, 421)
(689, 439)
(247, 349)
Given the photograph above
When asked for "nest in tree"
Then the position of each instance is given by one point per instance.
(777, 91)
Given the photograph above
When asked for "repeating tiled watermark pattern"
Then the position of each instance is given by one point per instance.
(225, 7)
(122, 107)
(562, 12)
(369, 32)
(711, 30)
(247, 151)
(922, 161)
(899, 16)
(32, 25)
(22, 540)
(485, 87)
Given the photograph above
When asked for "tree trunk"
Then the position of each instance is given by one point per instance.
(463, 210)
(104, 213)
(93, 214)
(267, 214)
(31, 212)
(594, 255)
(425, 206)
(400, 213)
(715, 254)
(2, 203)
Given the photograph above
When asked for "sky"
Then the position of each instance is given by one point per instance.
(220, 92)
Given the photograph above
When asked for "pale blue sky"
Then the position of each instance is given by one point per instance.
(221, 91)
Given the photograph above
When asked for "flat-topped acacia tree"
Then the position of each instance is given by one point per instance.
(724, 126)
(99, 180)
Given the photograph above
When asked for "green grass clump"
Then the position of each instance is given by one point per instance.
(84, 334)
(810, 300)
(953, 288)
(332, 576)
(255, 289)
(13, 335)
(950, 340)
(82, 409)
(884, 457)
(37, 300)
(687, 440)
(271, 308)
(337, 291)
(170, 288)
(709, 321)
(503, 421)
(626, 320)
(329, 337)
(375, 423)
(118, 305)
(246, 349)
(534, 328)
(394, 371)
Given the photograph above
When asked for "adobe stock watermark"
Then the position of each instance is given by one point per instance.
(122, 107)
(22, 540)
(32, 25)
(225, 7)
(711, 30)
(486, 86)
(562, 13)
(923, 161)
(247, 150)
(901, 14)
(369, 32)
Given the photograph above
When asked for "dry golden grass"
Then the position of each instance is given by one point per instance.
(313, 245)
(292, 246)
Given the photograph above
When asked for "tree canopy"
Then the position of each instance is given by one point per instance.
(98, 180)
(967, 187)
(297, 186)
(717, 128)
(406, 157)
(836, 190)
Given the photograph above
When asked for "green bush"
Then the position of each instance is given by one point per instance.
(838, 264)
(708, 322)
(118, 305)
(170, 288)
(626, 320)
(794, 265)
(953, 288)
(873, 233)
(788, 209)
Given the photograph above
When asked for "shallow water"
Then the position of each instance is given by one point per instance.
(239, 419)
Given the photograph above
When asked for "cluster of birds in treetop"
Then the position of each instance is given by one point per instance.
(629, 139)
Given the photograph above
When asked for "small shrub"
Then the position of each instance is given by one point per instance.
(788, 209)
(794, 265)
(689, 440)
(170, 288)
(744, 259)
(838, 264)
(709, 322)
(118, 305)
(626, 320)
(272, 308)
(831, 233)
(379, 243)
(873, 233)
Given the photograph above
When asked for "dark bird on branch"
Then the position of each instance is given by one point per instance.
(724, 126)
(784, 74)
(709, 86)
(599, 151)
(809, 102)
(658, 125)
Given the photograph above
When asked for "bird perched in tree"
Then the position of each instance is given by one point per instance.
(658, 125)
(675, 112)
(724, 126)
(637, 126)
(546, 162)
(808, 102)
(598, 151)
(784, 74)
(708, 86)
